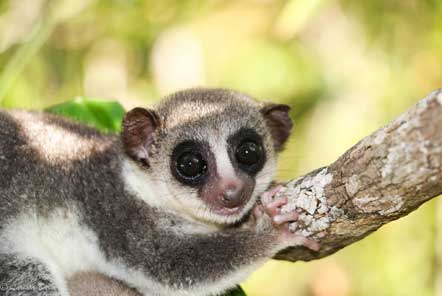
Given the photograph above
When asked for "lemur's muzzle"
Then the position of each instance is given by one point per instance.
(232, 194)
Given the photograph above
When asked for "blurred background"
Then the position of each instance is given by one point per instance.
(346, 67)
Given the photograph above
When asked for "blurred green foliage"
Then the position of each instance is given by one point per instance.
(345, 66)
(106, 116)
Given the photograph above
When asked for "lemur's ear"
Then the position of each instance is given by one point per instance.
(137, 133)
(279, 122)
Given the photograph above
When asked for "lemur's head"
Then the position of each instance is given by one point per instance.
(207, 152)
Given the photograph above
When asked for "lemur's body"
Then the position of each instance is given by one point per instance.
(160, 209)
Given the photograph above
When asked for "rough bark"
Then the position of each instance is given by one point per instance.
(382, 178)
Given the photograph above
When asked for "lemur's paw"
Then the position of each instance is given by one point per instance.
(271, 206)
(294, 240)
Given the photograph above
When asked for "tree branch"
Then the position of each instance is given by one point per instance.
(382, 178)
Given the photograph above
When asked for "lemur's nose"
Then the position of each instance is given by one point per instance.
(232, 195)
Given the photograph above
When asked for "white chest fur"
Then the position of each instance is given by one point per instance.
(59, 242)
(66, 247)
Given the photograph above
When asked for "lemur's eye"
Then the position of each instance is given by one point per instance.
(188, 164)
(191, 165)
(246, 150)
(250, 157)
(248, 153)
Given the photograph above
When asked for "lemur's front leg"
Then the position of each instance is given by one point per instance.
(224, 258)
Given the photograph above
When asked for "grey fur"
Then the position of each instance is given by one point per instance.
(86, 179)
(24, 277)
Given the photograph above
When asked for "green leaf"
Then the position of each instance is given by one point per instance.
(104, 115)
(238, 291)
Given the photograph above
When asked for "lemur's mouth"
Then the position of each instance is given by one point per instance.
(229, 211)
(229, 197)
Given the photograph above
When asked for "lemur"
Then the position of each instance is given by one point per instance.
(177, 204)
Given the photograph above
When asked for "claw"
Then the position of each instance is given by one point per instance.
(258, 211)
(306, 242)
(273, 208)
(285, 218)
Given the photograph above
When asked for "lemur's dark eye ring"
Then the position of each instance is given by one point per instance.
(191, 165)
(248, 153)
